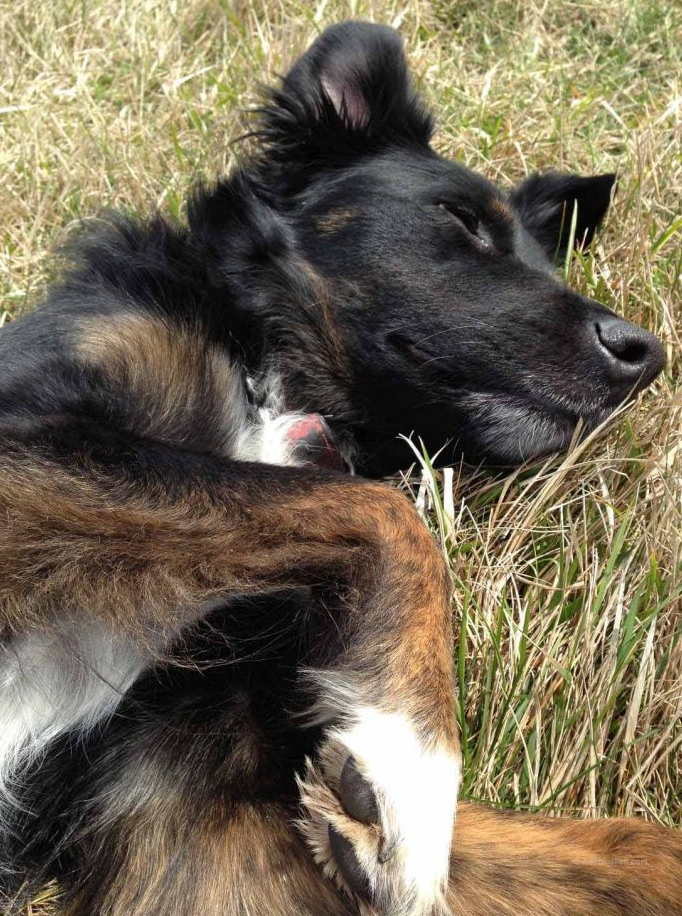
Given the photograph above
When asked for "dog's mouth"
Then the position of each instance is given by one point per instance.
(509, 429)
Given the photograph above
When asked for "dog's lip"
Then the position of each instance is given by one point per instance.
(559, 409)
(551, 419)
(524, 429)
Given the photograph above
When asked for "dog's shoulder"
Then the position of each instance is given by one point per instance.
(136, 337)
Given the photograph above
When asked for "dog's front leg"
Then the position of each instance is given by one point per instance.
(147, 554)
(380, 797)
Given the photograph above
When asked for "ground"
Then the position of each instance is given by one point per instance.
(568, 576)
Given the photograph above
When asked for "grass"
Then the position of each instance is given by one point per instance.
(568, 575)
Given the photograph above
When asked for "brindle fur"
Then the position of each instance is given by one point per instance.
(261, 603)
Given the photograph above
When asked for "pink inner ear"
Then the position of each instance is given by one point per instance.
(348, 101)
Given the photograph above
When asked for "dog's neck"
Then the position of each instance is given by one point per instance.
(300, 364)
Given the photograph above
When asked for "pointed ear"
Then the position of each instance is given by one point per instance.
(349, 92)
(546, 203)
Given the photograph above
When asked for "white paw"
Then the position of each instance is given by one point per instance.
(381, 813)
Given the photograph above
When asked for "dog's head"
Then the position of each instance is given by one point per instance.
(454, 323)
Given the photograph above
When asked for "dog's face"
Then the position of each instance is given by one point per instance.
(454, 322)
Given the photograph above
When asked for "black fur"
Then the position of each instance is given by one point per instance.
(491, 353)
(442, 317)
(545, 204)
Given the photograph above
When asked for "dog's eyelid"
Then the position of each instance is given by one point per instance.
(463, 213)
(469, 220)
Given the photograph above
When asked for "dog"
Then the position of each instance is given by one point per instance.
(226, 682)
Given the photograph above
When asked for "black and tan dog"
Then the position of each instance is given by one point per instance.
(195, 598)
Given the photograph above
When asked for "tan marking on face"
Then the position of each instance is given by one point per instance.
(502, 209)
(336, 219)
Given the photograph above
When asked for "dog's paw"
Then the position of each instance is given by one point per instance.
(380, 813)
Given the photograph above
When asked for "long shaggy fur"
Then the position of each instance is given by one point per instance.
(226, 683)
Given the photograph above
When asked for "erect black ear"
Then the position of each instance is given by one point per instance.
(546, 203)
(349, 92)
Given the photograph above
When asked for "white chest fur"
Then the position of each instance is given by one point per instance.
(52, 681)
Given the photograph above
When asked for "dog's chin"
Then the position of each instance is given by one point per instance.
(507, 430)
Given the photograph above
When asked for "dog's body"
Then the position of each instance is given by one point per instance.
(192, 603)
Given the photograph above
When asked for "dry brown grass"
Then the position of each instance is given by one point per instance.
(568, 576)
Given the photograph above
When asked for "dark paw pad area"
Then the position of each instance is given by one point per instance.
(344, 854)
(357, 796)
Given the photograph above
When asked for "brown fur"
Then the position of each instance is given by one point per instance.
(171, 374)
(336, 219)
(527, 865)
(511, 864)
(149, 561)
(249, 861)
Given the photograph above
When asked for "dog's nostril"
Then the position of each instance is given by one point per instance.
(622, 340)
(635, 354)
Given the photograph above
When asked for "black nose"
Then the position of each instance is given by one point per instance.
(635, 356)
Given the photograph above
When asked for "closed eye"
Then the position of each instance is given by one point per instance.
(468, 220)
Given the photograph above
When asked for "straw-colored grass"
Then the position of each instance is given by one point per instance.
(569, 575)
